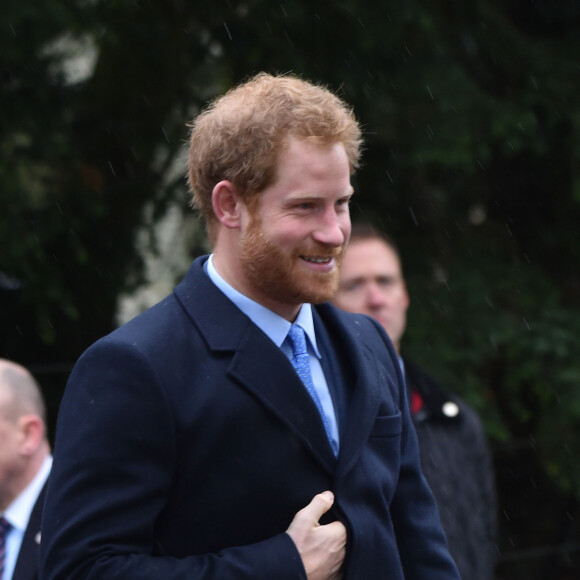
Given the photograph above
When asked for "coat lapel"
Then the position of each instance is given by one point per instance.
(364, 393)
(261, 368)
(362, 411)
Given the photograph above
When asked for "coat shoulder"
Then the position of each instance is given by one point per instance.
(360, 327)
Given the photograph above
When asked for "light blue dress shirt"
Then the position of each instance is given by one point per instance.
(276, 328)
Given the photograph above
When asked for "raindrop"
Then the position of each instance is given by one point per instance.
(477, 214)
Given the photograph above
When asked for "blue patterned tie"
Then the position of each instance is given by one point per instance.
(4, 529)
(301, 362)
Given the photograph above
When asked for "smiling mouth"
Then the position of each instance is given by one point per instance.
(313, 260)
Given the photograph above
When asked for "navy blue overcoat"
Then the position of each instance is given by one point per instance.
(186, 444)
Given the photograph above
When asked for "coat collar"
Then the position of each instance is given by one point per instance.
(259, 366)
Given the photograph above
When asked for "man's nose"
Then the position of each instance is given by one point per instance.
(333, 230)
(375, 295)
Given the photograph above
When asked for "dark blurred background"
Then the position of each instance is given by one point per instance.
(471, 113)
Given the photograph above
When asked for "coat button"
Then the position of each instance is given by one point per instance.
(450, 409)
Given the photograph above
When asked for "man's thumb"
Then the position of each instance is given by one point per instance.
(319, 505)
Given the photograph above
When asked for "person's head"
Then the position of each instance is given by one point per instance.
(270, 165)
(243, 134)
(371, 281)
(23, 439)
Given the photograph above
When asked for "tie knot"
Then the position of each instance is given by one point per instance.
(297, 340)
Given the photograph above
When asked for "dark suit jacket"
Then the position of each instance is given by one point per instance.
(186, 444)
(27, 563)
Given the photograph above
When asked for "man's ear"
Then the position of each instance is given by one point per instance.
(227, 204)
(32, 430)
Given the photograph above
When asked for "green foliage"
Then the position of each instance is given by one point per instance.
(494, 330)
(82, 155)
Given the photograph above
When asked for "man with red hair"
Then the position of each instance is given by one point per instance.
(243, 428)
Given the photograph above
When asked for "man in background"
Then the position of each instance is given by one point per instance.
(454, 452)
(25, 463)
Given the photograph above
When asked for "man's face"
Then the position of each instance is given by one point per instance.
(291, 246)
(371, 283)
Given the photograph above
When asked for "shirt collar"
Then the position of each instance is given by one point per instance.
(18, 512)
(273, 325)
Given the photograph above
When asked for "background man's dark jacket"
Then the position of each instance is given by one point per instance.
(457, 464)
(27, 563)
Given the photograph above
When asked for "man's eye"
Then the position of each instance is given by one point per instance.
(384, 282)
(352, 286)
